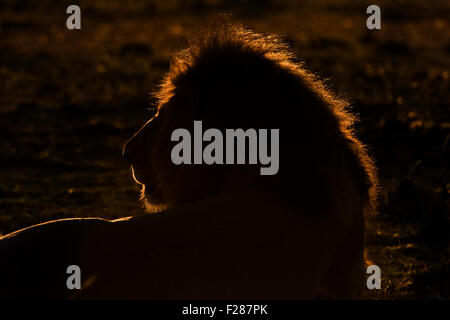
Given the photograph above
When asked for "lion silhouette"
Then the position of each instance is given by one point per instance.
(221, 231)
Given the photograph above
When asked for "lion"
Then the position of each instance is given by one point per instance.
(221, 231)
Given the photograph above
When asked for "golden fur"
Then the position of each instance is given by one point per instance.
(231, 77)
(222, 231)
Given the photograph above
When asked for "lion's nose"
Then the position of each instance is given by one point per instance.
(128, 157)
(133, 146)
(126, 152)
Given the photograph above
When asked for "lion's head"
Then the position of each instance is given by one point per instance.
(231, 77)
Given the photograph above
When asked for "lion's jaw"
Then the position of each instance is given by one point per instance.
(149, 202)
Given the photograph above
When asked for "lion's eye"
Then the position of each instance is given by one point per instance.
(157, 120)
(153, 111)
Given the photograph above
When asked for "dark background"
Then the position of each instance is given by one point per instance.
(69, 99)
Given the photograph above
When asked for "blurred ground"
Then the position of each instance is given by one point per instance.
(69, 99)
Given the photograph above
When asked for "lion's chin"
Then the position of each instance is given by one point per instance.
(149, 202)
